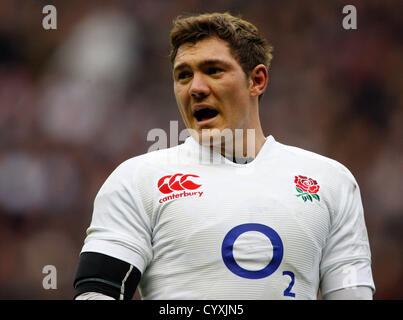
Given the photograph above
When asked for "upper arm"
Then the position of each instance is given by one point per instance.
(118, 242)
(120, 226)
(346, 257)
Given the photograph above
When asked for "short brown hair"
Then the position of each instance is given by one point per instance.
(245, 42)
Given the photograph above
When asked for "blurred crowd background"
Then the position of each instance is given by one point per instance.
(77, 101)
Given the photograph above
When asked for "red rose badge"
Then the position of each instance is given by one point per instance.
(307, 188)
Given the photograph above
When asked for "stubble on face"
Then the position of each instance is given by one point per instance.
(207, 74)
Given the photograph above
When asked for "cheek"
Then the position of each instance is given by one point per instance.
(237, 100)
(237, 92)
(182, 102)
(180, 98)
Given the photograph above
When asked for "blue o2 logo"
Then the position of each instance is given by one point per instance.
(228, 247)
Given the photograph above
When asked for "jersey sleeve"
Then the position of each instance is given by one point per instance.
(346, 256)
(120, 227)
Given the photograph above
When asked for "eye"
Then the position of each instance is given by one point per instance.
(183, 75)
(214, 70)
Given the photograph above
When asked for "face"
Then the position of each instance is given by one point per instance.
(211, 89)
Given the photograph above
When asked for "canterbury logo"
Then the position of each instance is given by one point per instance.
(177, 182)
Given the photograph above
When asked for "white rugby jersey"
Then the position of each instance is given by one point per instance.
(279, 227)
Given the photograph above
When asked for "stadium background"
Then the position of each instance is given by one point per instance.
(77, 101)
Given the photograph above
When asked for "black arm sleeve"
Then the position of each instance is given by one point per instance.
(101, 273)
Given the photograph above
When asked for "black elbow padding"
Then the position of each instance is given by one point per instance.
(97, 272)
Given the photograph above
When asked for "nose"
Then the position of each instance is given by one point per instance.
(199, 87)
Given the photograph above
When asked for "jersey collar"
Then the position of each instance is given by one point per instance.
(206, 156)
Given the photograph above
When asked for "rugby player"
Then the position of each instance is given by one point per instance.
(255, 219)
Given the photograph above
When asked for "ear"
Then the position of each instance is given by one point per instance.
(258, 79)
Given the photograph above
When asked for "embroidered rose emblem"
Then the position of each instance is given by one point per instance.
(307, 188)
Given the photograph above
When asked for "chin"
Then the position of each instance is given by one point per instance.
(212, 136)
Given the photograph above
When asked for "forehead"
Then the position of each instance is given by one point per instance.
(203, 50)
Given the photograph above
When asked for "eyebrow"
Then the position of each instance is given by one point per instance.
(205, 63)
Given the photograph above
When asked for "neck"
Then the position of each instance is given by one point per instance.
(246, 144)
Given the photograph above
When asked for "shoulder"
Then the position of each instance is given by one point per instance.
(334, 183)
(142, 167)
(320, 162)
(154, 159)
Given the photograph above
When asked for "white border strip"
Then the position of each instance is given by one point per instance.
(122, 288)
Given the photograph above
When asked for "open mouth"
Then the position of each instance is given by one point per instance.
(205, 114)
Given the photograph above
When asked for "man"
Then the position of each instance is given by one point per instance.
(254, 219)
